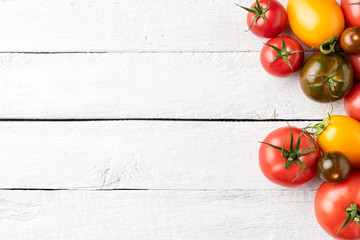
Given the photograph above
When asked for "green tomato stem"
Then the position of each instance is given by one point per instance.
(329, 80)
(352, 3)
(257, 10)
(293, 154)
(353, 214)
(282, 53)
(320, 127)
(328, 46)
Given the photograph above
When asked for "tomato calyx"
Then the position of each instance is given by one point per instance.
(329, 80)
(257, 10)
(328, 46)
(282, 53)
(321, 126)
(353, 214)
(293, 154)
(356, 3)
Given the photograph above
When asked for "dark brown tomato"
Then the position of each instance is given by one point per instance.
(326, 78)
(350, 40)
(333, 167)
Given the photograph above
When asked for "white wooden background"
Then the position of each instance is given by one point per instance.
(139, 119)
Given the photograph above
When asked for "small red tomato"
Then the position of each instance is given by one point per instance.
(352, 103)
(355, 63)
(282, 56)
(286, 161)
(337, 207)
(351, 10)
(350, 40)
(266, 18)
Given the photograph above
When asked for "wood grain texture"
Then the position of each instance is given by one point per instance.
(161, 215)
(167, 59)
(149, 85)
(125, 25)
(135, 154)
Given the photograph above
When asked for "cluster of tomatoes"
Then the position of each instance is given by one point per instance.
(290, 156)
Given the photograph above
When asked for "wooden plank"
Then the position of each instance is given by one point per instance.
(161, 215)
(125, 25)
(146, 85)
(134, 154)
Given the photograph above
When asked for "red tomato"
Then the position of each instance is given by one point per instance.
(331, 203)
(283, 60)
(352, 103)
(355, 63)
(351, 12)
(266, 18)
(273, 163)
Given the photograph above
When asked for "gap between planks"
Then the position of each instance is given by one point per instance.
(155, 119)
(135, 52)
(160, 189)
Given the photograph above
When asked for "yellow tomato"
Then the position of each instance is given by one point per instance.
(342, 135)
(315, 21)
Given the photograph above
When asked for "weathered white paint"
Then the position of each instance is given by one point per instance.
(149, 85)
(125, 25)
(134, 154)
(197, 66)
(161, 215)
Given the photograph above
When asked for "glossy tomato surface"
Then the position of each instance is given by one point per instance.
(350, 40)
(330, 204)
(351, 12)
(355, 63)
(275, 19)
(315, 21)
(352, 103)
(342, 135)
(279, 67)
(272, 163)
(333, 167)
(314, 81)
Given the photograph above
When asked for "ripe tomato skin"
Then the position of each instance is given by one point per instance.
(350, 40)
(320, 64)
(330, 205)
(315, 21)
(272, 164)
(276, 20)
(355, 63)
(279, 67)
(333, 167)
(351, 13)
(352, 103)
(342, 135)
